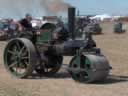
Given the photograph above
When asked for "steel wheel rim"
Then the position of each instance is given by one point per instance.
(81, 76)
(16, 62)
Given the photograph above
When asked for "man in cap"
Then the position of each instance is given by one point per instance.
(26, 22)
(26, 28)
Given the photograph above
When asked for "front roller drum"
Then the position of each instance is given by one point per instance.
(89, 68)
(20, 57)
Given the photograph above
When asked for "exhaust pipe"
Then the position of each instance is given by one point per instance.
(71, 21)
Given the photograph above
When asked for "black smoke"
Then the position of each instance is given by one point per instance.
(18, 8)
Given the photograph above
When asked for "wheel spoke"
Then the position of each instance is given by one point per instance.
(22, 50)
(24, 58)
(24, 53)
(18, 46)
(11, 52)
(12, 65)
(17, 67)
(15, 49)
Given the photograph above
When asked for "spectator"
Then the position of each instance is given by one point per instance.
(13, 26)
(25, 23)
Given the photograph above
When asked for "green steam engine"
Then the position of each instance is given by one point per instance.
(43, 52)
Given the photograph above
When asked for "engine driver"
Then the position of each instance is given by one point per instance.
(25, 23)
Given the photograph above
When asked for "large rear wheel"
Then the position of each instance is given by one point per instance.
(20, 57)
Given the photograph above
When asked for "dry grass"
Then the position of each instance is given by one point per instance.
(114, 47)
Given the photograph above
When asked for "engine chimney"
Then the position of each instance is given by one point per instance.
(71, 21)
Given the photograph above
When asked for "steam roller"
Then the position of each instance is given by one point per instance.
(43, 51)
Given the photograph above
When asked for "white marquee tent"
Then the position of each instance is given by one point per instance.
(101, 17)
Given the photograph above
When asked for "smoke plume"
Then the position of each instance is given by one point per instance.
(55, 6)
(18, 8)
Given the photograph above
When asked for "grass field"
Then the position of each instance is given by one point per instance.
(114, 47)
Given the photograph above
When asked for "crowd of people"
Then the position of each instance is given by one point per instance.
(9, 27)
(10, 24)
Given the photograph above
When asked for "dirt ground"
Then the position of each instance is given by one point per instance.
(114, 47)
